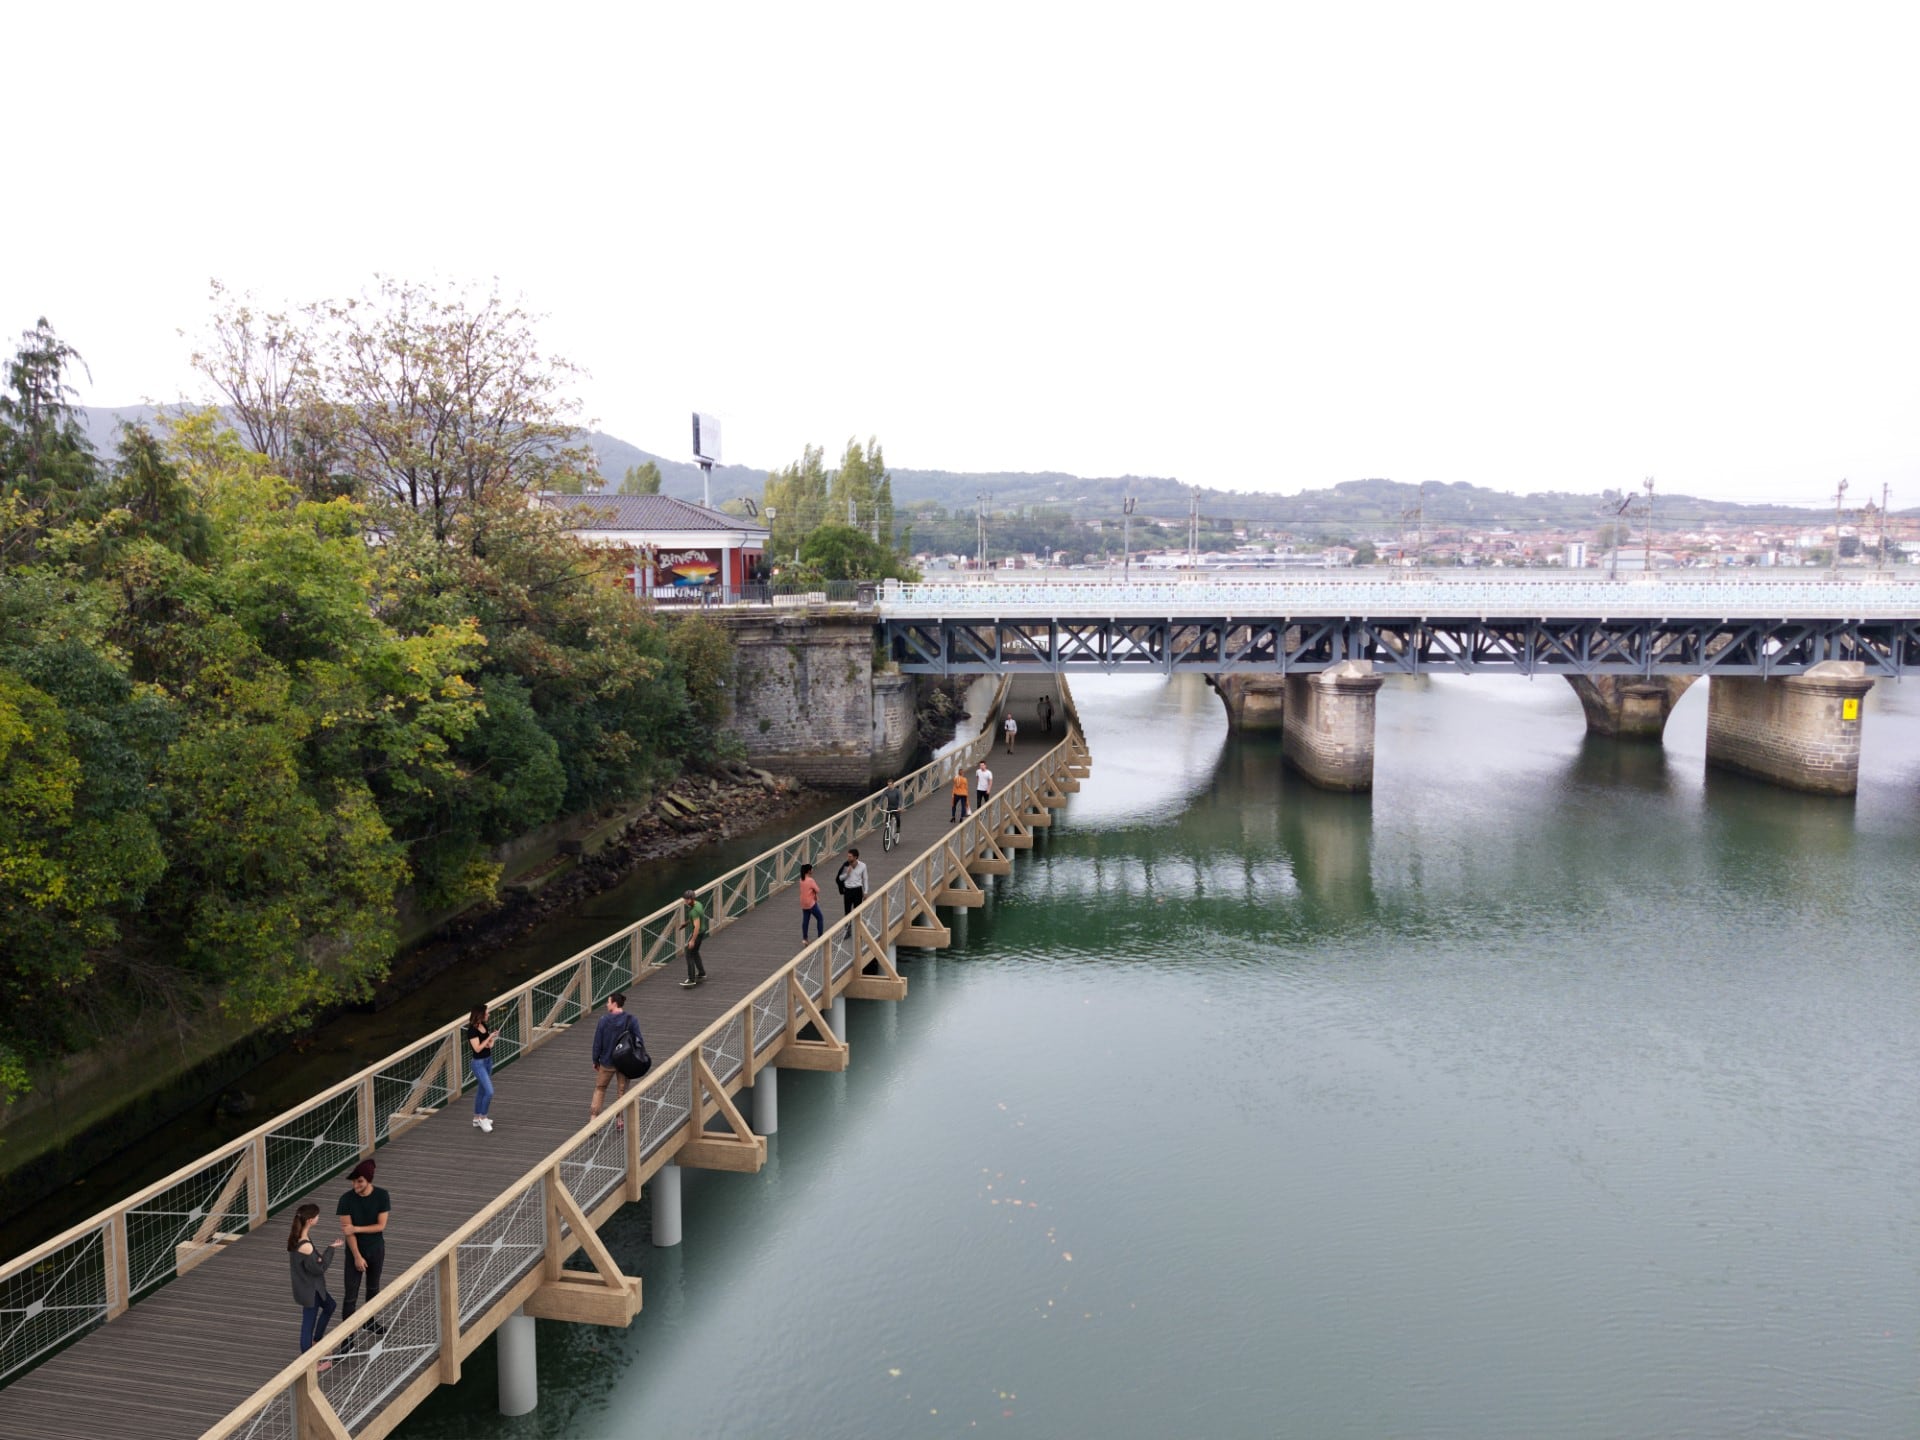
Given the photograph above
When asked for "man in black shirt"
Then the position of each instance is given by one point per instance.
(363, 1220)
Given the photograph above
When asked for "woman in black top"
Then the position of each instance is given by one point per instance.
(480, 1038)
(309, 1267)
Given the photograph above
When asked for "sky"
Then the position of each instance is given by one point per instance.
(1261, 246)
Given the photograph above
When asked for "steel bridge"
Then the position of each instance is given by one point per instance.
(1660, 624)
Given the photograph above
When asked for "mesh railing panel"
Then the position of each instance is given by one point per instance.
(769, 1017)
(665, 1106)
(501, 1251)
(393, 1085)
(811, 969)
(310, 1146)
(766, 878)
(894, 906)
(726, 1053)
(376, 1365)
(173, 1217)
(658, 938)
(559, 991)
(596, 1167)
(63, 1295)
(509, 1041)
(842, 947)
(274, 1420)
(612, 967)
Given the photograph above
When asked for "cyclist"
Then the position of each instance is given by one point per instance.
(895, 802)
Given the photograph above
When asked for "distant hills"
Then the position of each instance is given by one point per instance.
(1352, 507)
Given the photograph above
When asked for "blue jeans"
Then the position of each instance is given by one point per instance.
(313, 1322)
(482, 1084)
(815, 914)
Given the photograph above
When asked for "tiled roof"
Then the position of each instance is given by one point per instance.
(643, 512)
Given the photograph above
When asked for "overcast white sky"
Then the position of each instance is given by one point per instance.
(1534, 246)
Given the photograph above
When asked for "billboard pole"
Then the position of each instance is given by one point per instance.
(706, 450)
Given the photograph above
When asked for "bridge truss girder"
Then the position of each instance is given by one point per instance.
(1409, 646)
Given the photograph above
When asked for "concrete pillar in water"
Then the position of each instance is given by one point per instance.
(519, 1364)
(1629, 707)
(1256, 703)
(664, 1192)
(1328, 734)
(837, 1018)
(1800, 731)
(766, 1101)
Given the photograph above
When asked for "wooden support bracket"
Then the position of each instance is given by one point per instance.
(827, 1053)
(602, 1297)
(742, 1152)
(318, 1419)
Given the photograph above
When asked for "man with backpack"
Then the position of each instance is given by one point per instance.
(616, 1039)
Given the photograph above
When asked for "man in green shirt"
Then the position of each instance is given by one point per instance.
(696, 932)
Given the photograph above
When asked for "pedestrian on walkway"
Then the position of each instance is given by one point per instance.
(853, 881)
(480, 1037)
(982, 786)
(363, 1213)
(1046, 715)
(309, 1266)
(810, 904)
(1011, 728)
(958, 809)
(696, 932)
(607, 1031)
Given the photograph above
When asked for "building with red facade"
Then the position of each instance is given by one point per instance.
(675, 549)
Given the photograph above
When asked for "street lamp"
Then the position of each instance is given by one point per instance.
(1126, 542)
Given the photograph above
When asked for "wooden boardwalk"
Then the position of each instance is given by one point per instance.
(178, 1362)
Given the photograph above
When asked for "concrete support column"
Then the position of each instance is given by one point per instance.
(1328, 731)
(1629, 707)
(1255, 703)
(519, 1364)
(766, 1101)
(664, 1193)
(1800, 731)
(837, 1018)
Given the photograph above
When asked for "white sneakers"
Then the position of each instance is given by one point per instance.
(483, 1123)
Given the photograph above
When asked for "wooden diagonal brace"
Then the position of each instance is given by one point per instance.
(606, 1297)
(742, 1151)
(828, 1053)
(318, 1419)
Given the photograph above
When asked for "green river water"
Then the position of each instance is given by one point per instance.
(1557, 1089)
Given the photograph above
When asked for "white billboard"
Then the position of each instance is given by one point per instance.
(706, 439)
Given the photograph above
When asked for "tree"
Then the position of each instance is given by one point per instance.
(797, 496)
(47, 465)
(840, 552)
(641, 480)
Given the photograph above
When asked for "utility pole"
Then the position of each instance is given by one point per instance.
(1193, 529)
(1613, 550)
(982, 502)
(1126, 542)
(1418, 514)
(1646, 562)
(1839, 512)
(1885, 491)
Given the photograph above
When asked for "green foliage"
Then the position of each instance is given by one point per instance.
(838, 552)
(251, 691)
(641, 479)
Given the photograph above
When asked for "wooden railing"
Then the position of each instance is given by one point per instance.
(94, 1271)
(512, 1253)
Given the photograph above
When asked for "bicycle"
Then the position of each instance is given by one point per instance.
(890, 830)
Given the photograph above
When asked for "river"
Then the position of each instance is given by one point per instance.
(1559, 1088)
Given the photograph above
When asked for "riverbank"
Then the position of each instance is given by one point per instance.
(192, 1074)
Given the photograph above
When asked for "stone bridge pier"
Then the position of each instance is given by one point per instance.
(1800, 731)
(1324, 719)
(1629, 707)
(1255, 703)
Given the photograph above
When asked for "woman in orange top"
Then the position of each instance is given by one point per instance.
(810, 904)
(958, 809)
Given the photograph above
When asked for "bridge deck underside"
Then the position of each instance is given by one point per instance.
(1405, 645)
(202, 1344)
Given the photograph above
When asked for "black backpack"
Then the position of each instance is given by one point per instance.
(630, 1056)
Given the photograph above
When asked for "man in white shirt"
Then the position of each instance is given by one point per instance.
(982, 785)
(1012, 728)
(853, 881)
